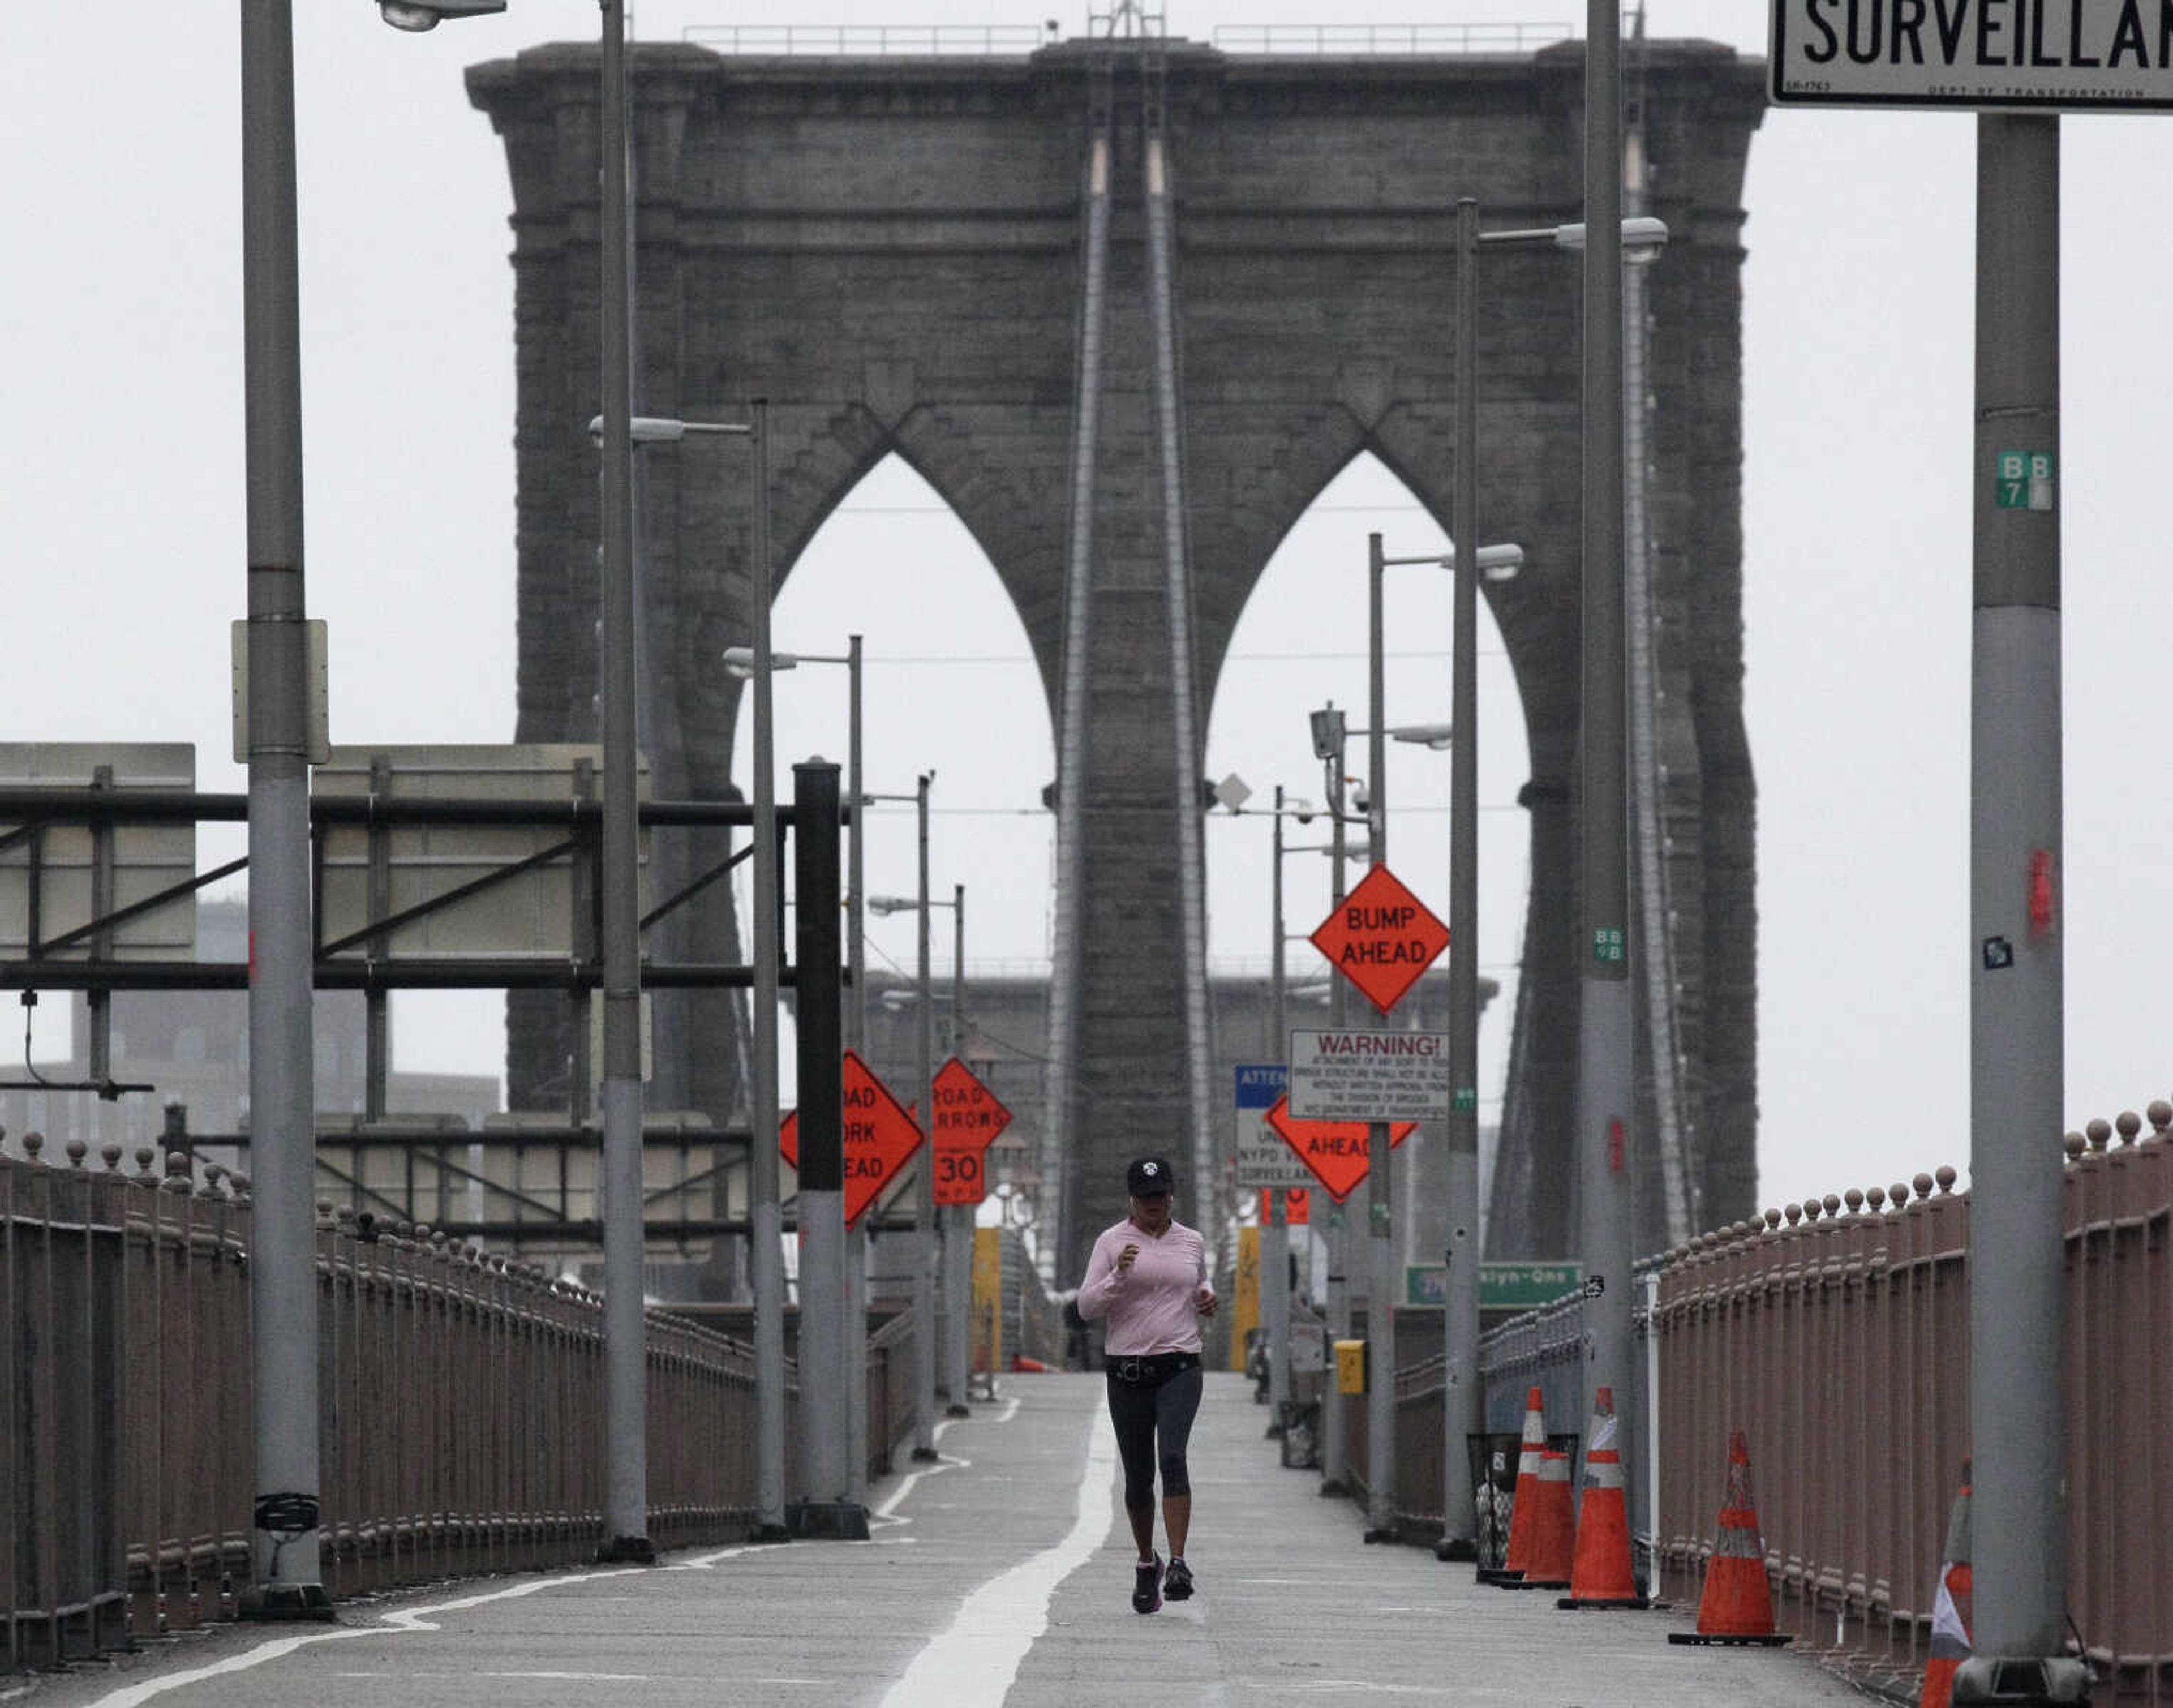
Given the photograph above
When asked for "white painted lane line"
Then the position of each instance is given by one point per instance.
(413, 1620)
(973, 1663)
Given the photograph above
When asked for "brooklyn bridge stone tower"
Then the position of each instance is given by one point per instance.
(1128, 306)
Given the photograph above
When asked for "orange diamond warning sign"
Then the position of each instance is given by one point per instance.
(879, 1137)
(1381, 937)
(968, 1118)
(1335, 1151)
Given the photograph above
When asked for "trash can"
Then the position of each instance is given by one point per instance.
(1493, 1459)
(1300, 1435)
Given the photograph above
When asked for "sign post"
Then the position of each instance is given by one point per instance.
(2019, 66)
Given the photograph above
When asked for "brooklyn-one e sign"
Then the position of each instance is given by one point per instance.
(2053, 54)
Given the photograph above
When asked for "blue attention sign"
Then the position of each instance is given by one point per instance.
(1259, 1083)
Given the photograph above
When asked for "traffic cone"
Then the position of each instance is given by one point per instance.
(1951, 1611)
(1737, 1606)
(1032, 1366)
(1601, 1576)
(1521, 1515)
(1553, 1527)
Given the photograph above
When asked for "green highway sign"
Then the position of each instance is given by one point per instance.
(1505, 1286)
(1525, 1286)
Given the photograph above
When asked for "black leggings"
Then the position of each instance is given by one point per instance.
(1154, 1421)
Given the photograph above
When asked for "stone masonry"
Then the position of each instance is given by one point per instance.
(888, 251)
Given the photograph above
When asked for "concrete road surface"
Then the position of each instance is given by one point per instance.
(1002, 1575)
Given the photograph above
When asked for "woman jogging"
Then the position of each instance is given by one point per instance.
(1148, 1275)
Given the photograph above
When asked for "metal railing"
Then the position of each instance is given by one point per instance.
(1389, 38)
(1835, 1334)
(858, 40)
(460, 1421)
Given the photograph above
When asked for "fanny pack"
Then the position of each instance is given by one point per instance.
(1150, 1369)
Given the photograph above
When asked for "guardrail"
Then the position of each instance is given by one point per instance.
(1389, 38)
(460, 1427)
(1836, 1334)
(859, 40)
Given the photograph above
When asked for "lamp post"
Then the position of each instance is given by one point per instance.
(924, 1214)
(286, 1574)
(1605, 1087)
(853, 1284)
(955, 1221)
(1274, 1245)
(1330, 730)
(952, 1222)
(620, 432)
(286, 1567)
(1461, 1395)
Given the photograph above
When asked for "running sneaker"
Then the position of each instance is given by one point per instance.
(1146, 1587)
(1177, 1581)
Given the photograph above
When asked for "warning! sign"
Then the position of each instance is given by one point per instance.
(968, 1118)
(1335, 1151)
(879, 1137)
(1381, 937)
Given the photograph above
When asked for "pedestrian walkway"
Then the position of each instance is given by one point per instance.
(1001, 1576)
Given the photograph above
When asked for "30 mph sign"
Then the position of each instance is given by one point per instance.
(2046, 54)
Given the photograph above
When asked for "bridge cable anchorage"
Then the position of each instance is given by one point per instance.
(1066, 950)
(1162, 308)
(1679, 1175)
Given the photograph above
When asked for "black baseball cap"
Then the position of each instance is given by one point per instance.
(1148, 1176)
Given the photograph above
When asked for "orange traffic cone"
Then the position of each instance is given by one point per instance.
(1737, 1606)
(1601, 1576)
(1951, 1611)
(1515, 1559)
(1032, 1366)
(1553, 1527)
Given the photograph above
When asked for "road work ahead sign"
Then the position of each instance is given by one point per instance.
(2056, 55)
(1368, 1075)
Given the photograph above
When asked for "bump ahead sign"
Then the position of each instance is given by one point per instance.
(2051, 55)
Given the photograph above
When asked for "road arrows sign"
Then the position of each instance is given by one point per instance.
(967, 1118)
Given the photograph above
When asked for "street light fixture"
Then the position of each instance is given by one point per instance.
(418, 15)
(1643, 238)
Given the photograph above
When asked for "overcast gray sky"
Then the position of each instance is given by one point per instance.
(121, 307)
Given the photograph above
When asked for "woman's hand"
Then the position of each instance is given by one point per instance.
(1124, 1259)
(1204, 1301)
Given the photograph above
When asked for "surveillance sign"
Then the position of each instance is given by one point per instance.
(1259, 1153)
(2047, 55)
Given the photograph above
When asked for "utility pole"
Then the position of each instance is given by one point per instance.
(2017, 988)
(287, 1578)
(1380, 1195)
(1606, 1088)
